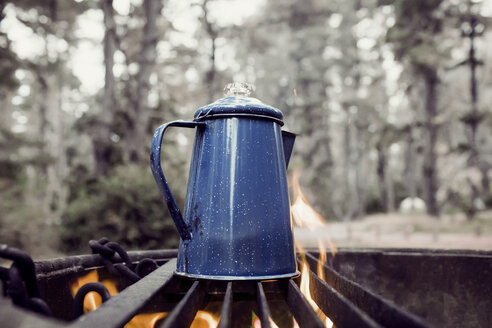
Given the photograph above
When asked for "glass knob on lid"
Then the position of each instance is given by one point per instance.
(239, 89)
(238, 101)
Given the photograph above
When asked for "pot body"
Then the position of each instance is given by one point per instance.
(237, 205)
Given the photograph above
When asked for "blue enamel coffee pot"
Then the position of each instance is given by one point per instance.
(236, 222)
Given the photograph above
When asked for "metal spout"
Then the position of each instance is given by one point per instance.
(288, 139)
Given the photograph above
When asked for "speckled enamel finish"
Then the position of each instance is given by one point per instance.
(236, 222)
(238, 106)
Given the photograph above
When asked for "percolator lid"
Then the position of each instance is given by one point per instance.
(238, 103)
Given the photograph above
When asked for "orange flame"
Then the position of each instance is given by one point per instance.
(204, 319)
(257, 322)
(300, 249)
(333, 248)
(322, 260)
(93, 300)
(145, 320)
(304, 287)
(303, 214)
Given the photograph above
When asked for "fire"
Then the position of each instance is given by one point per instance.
(204, 319)
(305, 285)
(305, 216)
(322, 260)
(333, 248)
(93, 300)
(145, 320)
(257, 322)
(300, 249)
(305, 290)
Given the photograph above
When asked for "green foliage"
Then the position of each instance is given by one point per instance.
(8, 65)
(425, 55)
(21, 224)
(401, 192)
(472, 118)
(10, 187)
(374, 204)
(488, 200)
(413, 34)
(462, 147)
(126, 207)
(460, 202)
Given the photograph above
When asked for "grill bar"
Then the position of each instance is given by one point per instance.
(226, 311)
(335, 306)
(263, 309)
(379, 309)
(304, 314)
(182, 315)
(341, 311)
(120, 308)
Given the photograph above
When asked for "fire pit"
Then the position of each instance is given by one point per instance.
(236, 265)
(360, 288)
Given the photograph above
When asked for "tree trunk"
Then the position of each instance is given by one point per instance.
(390, 190)
(359, 187)
(327, 165)
(474, 123)
(52, 129)
(102, 142)
(210, 82)
(139, 125)
(2, 7)
(485, 179)
(474, 97)
(350, 171)
(410, 161)
(431, 183)
(54, 146)
(381, 173)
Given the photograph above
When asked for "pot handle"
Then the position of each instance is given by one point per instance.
(155, 166)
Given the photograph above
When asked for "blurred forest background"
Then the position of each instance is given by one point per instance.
(391, 100)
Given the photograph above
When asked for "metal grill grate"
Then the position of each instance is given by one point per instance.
(346, 302)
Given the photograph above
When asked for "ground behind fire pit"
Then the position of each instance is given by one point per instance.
(404, 231)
